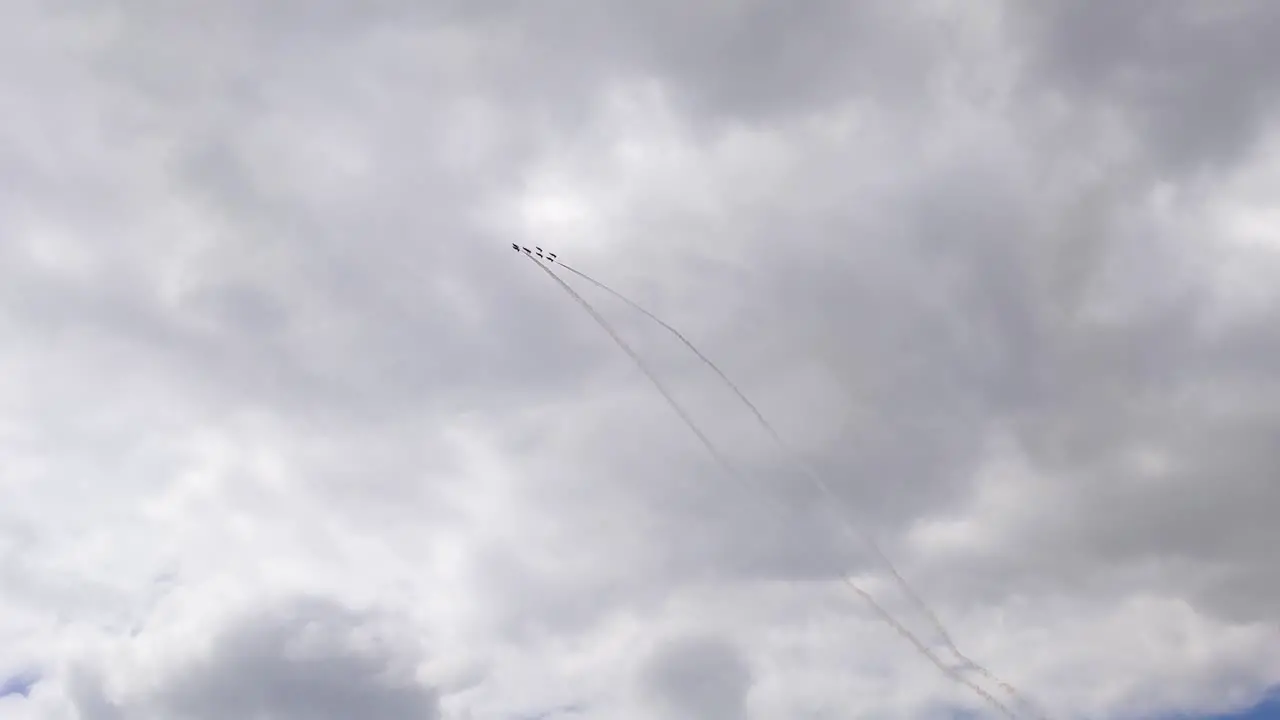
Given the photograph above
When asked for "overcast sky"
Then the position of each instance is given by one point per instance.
(287, 431)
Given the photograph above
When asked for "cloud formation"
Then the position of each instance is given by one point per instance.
(1005, 275)
(309, 659)
(699, 677)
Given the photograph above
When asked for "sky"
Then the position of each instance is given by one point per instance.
(1266, 710)
(288, 431)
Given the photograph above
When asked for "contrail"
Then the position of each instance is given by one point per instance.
(795, 458)
(879, 610)
(635, 357)
(850, 531)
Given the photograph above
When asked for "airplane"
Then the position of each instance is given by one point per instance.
(550, 256)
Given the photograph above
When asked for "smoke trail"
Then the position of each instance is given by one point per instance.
(879, 610)
(850, 531)
(635, 357)
(795, 458)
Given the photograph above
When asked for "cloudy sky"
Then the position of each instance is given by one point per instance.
(288, 431)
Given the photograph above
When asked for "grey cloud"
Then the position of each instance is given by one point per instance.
(310, 659)
(945, 300)
(1083, 396)
(90, 700)
(975, 316)
(975, 319)
(373, 254)
(1197, 79)
(284, 308)
(757, 59)
(332, 331)
(698, 677)
(729, 60)
(386, 340)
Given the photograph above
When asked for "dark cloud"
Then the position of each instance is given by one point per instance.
(310, 659)
(702, 677)
(751, 60)
(1197, 80)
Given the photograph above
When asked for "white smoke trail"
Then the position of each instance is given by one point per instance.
(640, 363)
(879, 610)
(847, 527)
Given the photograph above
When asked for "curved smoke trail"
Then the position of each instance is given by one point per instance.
(640, 363)
(847, 527)
(879, 610)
